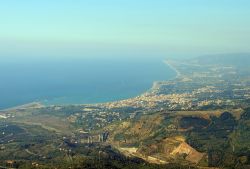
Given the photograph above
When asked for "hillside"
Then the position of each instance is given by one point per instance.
(203, 138)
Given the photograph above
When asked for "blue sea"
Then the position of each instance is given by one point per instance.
(78, 80)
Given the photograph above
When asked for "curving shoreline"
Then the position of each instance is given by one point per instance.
(41, 104)
(178, 73)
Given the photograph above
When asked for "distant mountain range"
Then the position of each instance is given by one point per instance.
(237, 60)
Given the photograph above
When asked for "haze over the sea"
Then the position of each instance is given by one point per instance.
(177, 27)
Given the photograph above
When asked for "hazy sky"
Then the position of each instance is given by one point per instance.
(166, 26)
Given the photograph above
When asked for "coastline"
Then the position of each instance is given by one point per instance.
(38, 104)
(24, 106)
(178, 74)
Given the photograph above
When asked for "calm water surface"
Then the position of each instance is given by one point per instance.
(75, 81)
